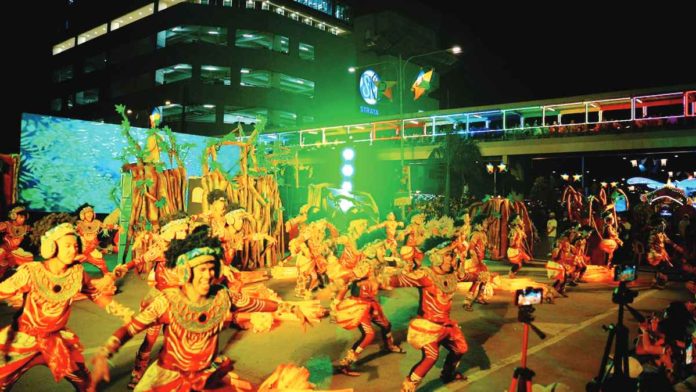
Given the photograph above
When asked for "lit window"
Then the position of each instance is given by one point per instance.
(200, 113)
(63, 46)
(173, 74)
(250, 4)
(189, 34)
(265, 6)
(255, 78)
(280, 11)
(281, 44)
(236, 114)
(227, 3)
(164, 4)
(133, 16)
(212, 74)
(294, 16)
(306, 51)
(253, 39)
(91, 34)
(295, 85)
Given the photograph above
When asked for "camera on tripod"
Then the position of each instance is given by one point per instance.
(624, 273)
(528, 296)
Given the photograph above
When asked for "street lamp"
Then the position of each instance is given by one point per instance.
(495, 169)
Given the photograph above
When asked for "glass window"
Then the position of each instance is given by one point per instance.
(295, 85)
(70, 101)
(200, 113)
(294, 16)
(57, 104)
(87, 96)
(213, 74)
(91, 34)
(235, 114)
(192, 34)
(255, 78)
(133, 16)
(132, 49)
(283, 119)
(171, 113)
(319, 5)
(63, 46)
(63, 73)
(164, 4)
(253, 39)
(250, 4)
(281, 44)
(173, 74)
(95, 63)
(306, 51)
(280, 11)
(265, 6)
(227, 3)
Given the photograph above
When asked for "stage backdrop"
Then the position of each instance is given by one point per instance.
(66, 162)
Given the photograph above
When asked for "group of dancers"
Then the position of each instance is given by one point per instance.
(197, 291)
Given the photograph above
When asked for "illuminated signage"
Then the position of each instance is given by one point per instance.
(369, 87)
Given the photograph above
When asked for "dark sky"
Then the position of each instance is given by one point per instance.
(512, 52)
(524, 50)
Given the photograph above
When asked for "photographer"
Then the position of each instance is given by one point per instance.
(664, 342)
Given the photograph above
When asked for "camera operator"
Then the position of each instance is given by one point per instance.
(664, 342)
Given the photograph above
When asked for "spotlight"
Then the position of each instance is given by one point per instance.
(347, 170)
(348, 154)
(347, 186)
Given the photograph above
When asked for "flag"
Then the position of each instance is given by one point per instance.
(422, 83)
(386, 89)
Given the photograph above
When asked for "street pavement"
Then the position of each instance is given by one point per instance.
(570, 354)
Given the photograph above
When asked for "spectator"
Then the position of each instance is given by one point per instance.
(551, 232)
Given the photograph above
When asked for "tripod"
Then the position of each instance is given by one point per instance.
(522, 377)
(618, 334)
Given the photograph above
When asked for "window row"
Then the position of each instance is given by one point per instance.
(186, 35)
(208, 114)
(341, 12)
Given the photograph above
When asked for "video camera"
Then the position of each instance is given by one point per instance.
(624, 273)
(528, 296)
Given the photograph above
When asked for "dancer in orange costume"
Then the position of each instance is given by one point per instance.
(89, 228)
(390, 225)
(610, 238)
(477, 269)
(516, 251)
(39, 335)
(433, 327)
(11, 255)
(193, 315)
(362, 309)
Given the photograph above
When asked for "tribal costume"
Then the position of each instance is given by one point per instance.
(38, 334)
(15, 230)
(89, 228)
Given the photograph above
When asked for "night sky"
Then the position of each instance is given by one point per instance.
(511, 52)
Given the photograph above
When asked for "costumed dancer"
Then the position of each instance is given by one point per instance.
(415, 237)
(475, 265)
(361, 309)
(610, 236)
(38, 334)
(516, 251)
(563, 259)
(89, 228)
(153, 264)
(11, 255)
(193, 315)
(390, 225)
(657, 254)
(433, 327)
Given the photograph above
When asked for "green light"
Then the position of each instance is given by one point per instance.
(348, 154)
(347, 170)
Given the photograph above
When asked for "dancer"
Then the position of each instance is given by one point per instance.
(38, 334)
(193, 315)
(516, 251)
(477, 269)
(89, 228)
(433, 327)
(360, 310)
(11, 255)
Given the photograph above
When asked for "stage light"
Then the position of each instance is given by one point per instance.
(348, 154)
(347, 170)
(347, 186)
(345, 205)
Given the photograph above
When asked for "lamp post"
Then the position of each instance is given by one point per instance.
(495, 169)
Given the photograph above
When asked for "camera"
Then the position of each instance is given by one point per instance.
(624, 273)
(528, 296)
